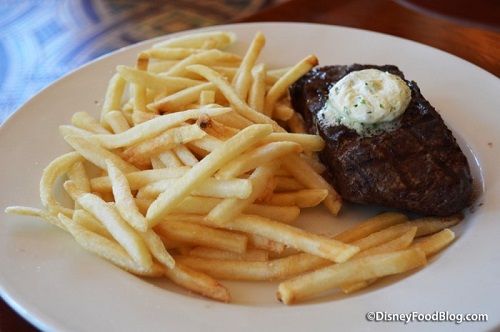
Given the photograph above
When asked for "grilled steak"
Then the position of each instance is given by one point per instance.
(418, 167)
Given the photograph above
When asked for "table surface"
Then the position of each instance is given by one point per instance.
(471, 32)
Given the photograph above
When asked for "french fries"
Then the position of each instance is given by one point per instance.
(187, 174)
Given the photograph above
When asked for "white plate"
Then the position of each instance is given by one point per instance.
(56, 285)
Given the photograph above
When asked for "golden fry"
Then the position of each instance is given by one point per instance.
(154, 127)
(177, 101)
(141, 153)
(211, 187)
(202, 235)
(280, 87)
(301, 198)
(114, 94)
(356, 270)
(85, 121)
(436, 242)
(96, 154)
(252, 255)
(372, 225)
(243, 77)
(116, 121)
(137, 180)
(198, 282)
(257, 92)
(50, 175)
(275, 269)
(124, 199)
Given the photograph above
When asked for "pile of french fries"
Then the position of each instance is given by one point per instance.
(197, 169)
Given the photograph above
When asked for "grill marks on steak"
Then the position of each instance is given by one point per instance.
(418, 167)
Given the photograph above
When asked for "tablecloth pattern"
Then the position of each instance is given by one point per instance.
(40, 41)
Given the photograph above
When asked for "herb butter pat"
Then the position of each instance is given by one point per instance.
(368, 101)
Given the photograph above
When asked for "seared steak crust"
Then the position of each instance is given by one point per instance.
(418, 167)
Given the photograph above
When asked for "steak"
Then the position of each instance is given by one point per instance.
(418, 167)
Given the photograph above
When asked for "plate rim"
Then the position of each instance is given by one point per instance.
(6, 295)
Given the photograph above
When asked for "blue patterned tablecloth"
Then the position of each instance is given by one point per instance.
(40, 41)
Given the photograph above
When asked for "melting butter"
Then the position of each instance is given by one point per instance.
(369, 101)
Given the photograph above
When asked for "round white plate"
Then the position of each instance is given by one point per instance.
(58, 286)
